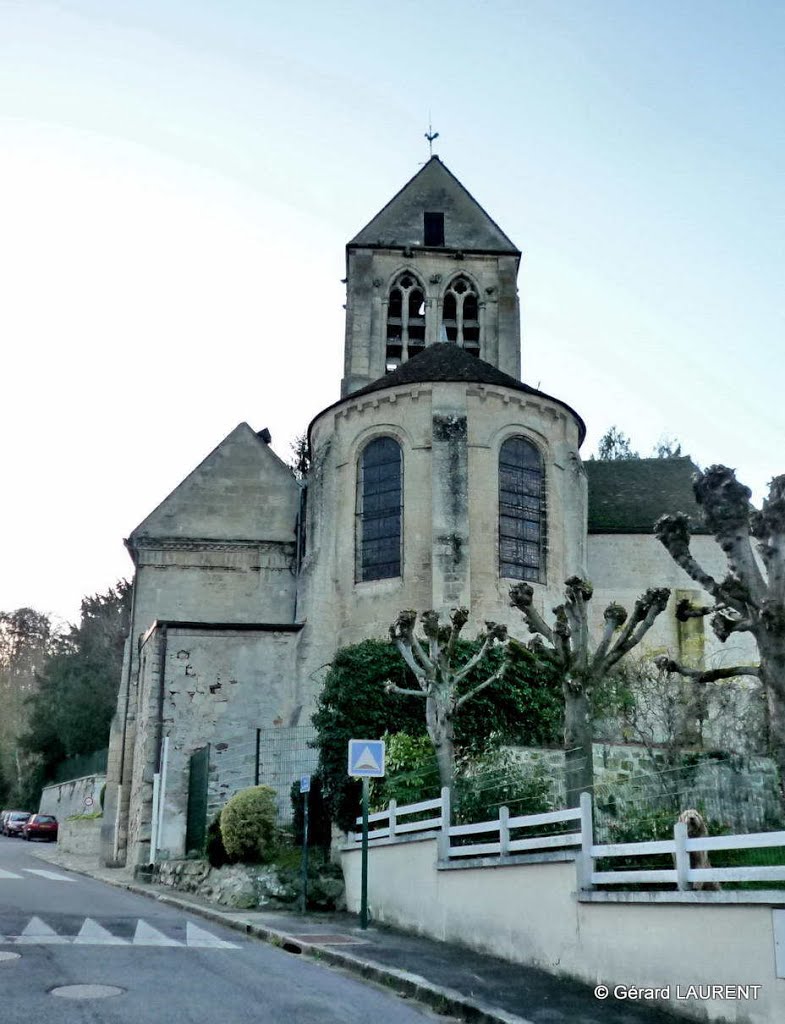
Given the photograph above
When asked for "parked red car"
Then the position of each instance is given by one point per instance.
(15, 822)
(40, 826)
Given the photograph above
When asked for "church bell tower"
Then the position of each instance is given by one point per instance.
(430, 267)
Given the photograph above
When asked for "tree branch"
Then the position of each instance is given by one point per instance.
(705, 675)
(480, 686)
(521, 597)
(646, 610)
(673, 532)
(418, 670)
(390, 687)
(726, 506)
(615, 617)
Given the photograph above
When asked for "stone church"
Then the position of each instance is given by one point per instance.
(437, 479)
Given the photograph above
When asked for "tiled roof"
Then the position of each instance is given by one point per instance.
(448, 362)
(629, 495)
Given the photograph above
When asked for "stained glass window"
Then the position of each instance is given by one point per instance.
(521, 511)
(379, 506)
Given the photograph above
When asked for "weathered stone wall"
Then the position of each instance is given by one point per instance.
(82, 838)
(216, 683)
(66, 798)
(631, 783)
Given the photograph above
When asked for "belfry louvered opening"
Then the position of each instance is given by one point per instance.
(405, 321)
(379, 509)
(521, 511)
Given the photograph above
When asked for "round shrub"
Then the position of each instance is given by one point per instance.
(248, 825)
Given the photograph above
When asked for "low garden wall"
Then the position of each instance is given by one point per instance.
(530, 914)
(77, 796)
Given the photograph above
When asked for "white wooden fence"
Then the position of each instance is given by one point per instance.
(496, 844)
(682, 874)
(499, 843)
(390, 826)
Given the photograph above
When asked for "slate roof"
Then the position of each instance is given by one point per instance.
(434, 187)
(448, 362)
(629, 495)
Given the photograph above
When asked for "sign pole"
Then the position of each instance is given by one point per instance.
(305, 789)
(366, 761)
(305, 852)
(364, 881)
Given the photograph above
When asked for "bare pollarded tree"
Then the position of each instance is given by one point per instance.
(582, 666)
(434, 664)
(751, 597)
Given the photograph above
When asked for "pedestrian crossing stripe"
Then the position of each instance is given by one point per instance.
(38, 933)
(93, 934)
(199, 937)
(51, 876)
(146, 935)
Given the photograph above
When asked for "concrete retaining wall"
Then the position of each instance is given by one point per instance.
(66, 798)
(529, 914)
(82, 837)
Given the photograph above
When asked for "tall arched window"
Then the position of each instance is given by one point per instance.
(521, 511)
(405, 321)
(379, 507)
(461, 315)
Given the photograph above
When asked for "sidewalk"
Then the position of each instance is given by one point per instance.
(448, 978)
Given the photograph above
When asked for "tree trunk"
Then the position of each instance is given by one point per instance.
(579, 766)
(440, 730)
(772, 676)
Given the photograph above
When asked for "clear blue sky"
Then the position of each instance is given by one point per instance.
(178, 182)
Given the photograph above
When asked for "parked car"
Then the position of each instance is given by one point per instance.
(14, 822)
(40, 826)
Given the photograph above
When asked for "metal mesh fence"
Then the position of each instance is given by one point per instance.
(274, 757)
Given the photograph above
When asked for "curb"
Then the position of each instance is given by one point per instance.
(439, 998)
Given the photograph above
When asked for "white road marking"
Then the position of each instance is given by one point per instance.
(195, 936)
(94, 934)
(146, 935)
(51, 875)
(37, 933)
(8, 874)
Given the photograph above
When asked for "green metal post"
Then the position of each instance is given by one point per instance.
(364, 881)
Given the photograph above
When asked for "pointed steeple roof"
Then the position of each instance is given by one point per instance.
(434, 189)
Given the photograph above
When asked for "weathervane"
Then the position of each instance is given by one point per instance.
(430, 135)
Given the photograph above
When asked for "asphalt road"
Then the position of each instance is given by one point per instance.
(62, 929)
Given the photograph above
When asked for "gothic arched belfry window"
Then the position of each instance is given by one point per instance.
(521, 511)
(379, 508)
(461, 315)
(405, 320)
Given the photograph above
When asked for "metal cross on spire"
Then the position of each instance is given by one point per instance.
(431, 135)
